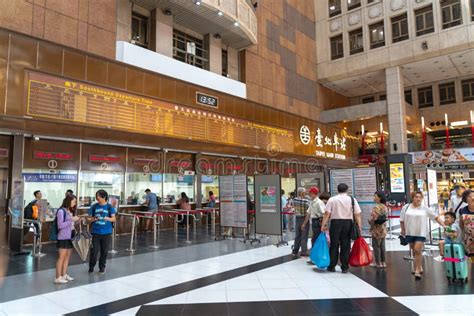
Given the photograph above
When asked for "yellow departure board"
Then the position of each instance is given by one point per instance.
(61, 99)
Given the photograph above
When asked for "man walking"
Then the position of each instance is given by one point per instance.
(340, 210)
(301, 204)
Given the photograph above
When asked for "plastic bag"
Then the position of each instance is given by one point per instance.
(320, 252)
(360, 255)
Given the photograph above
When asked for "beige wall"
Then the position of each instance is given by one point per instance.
(84, 24)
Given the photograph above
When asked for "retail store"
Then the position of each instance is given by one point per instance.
(80, 122)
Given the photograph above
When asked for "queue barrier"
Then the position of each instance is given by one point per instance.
(153, 217)
(37, 229)
(135, 223)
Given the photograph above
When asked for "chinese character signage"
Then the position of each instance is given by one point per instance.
(325, 145)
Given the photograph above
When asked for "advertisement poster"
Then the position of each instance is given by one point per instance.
(397, 178)
(443, 156)
(233, 200)
(268, 199)
(432, 187)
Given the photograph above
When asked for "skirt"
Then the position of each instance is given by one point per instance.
(64, 244)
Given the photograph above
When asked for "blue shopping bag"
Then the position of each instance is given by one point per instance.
(320, 252)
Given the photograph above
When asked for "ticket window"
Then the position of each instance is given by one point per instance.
(174, 184)
(137, 183)
(92, 181)
(209, 183)
(53, 186)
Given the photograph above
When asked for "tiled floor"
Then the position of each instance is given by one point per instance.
(232, 278)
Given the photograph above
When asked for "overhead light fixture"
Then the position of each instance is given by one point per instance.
(332, 8)
(236, 24)
(36, 138)
(197, 2)
(459, 123)
(220, 13)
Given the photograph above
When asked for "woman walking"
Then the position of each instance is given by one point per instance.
(466, 222)
(413, 223)
(378, 229)
(65, 222)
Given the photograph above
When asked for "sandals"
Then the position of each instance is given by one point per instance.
(417, 276)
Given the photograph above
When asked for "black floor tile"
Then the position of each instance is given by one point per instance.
(250, 308)
(337, 306)
(217, 309)
(300, 307)
(385, 304)
(166, 310)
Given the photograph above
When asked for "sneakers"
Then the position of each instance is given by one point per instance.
(60, 280)
(102, 272)
(439, 258)
(69, 278)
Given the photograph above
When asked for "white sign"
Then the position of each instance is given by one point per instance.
(305, 135)
(432, 187)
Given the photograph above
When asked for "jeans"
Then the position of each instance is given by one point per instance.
(446, 204)
(301, 236)
(285, 221)
(340, 235)
(100, 243)
(379, 249)
(316, 227)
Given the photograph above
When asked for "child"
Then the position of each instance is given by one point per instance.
(452, 233)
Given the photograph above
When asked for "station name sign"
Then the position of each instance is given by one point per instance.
(333, 146)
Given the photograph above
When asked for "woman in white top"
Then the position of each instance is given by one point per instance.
(414, 226)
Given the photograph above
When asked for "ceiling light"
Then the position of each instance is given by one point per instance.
(332, 8)
(198, 2)
(220, 13)
(236, 24)
(458, 123)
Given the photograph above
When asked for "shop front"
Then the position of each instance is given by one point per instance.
(86, 123)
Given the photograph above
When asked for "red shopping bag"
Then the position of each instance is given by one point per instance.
(360, 255)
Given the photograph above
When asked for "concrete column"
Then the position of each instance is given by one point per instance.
(163, 33)
(214, 47)
(124, 20)
(397, 125)
(233, 63)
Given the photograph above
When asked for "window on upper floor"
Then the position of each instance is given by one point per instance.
(399, 28)
(337, 47)
(352, 4)
(225, 71)
(368, 100)
(383, 97)
(425, 97)
(408, 97)
(447, 93)
(356, 41)
(377, 35)
(472, 10)
(468, 90)
(451, 13)
(188, 49)
(139, 30)
(424, 20)
(334, 7)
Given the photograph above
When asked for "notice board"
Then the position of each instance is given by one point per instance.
(268, 204)
(233, 200)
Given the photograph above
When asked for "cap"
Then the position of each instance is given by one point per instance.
(314, 190)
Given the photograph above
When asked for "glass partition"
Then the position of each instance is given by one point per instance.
(209, 183)
(92, 181)
(53, 186)
(137, 183)
(288, 185)
(174, 184)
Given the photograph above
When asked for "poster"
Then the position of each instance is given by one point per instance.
(268, 199)
(443, 156)
(365, 183)
(341, 176)
(432, 187)
(17, 205)
(397, 178)
(233, 200)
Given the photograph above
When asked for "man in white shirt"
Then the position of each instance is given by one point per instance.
(456, 201)
(315, 212)
(341, 209)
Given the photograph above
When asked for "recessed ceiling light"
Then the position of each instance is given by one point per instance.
(197, 2)
(220, 13)
(236, 24)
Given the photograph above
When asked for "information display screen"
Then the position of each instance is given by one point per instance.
(61, 99)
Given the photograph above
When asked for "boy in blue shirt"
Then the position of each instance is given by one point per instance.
(452, 233)
(102, 215)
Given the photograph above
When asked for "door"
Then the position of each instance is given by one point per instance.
(3, 207)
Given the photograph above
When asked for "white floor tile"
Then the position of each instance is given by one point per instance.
(243, 284)
(175, 299)
(285, 294)
(323, 292)
(206, 296)
(78, 298)
(362, 290)
(246, 295)
(216, 286)
(430, 304)
(146, 283)
(41, 305)
(113, 290)
(270, 275)
(278, 284)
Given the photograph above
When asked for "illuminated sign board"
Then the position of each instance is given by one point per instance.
(102, 158)
(49, 155)
(333, 146)
(205, 99)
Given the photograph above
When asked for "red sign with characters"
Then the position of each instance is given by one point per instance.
(102, 158)
(51, 156)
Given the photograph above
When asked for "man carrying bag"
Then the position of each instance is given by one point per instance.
(344, 212)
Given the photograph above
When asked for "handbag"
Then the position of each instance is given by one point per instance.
(381, 219)
(355, 227)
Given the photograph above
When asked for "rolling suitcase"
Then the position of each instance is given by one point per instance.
(455, 261)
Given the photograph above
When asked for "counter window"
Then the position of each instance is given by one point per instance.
(174, 184)
(90, 182)
(53, 186)
(209, 183)
(137, 183)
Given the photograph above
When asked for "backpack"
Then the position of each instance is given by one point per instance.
(31, 210)
(54, 229)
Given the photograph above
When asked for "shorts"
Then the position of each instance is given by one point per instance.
(153, 211)
(64, 244)
(413, 239)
